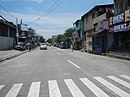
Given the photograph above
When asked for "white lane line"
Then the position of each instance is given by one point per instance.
(73, 64)
(125, 76)
(1, 86)
(120, 81)
(54, 90)
(112, 87)
(14, 90)
(75, 91)
(97, 91)
(34, 89)
(58, 53)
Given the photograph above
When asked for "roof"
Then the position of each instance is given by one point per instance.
(95, 7)
(10, 24)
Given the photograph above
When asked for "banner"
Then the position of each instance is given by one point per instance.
(127, 15)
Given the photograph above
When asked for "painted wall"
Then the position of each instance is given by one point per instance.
(6, 43)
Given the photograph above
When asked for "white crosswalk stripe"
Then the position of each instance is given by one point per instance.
(1, 86)
(112, 87)
(54, 89)
(125, 76)
(34, 89)
(14, 90)
(97, 91)
(120, 81)
(75, 91)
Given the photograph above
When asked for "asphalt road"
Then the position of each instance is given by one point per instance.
(62, 73)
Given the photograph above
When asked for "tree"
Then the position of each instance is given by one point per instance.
(60, 38)
(49, 40)
(68, 35)
(41, 39)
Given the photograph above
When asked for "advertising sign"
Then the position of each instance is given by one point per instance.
(118, 19)
(127, 15)
(110, 21)
(120, 27)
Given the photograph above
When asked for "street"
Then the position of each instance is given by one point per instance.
(62, 73)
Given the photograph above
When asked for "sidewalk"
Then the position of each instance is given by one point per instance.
(119, 55)
(9, 54)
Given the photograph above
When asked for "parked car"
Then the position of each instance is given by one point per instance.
(43, 46)
(20, 46)
(63, 45)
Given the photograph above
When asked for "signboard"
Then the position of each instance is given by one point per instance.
(120, 27)
(118, 19)
(110, 21)
(127, 15)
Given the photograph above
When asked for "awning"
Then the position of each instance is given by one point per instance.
(96, 33)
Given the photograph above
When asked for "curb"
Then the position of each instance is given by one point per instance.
(117, 56)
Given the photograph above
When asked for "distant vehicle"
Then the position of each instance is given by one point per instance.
(63, 45)
(43, 46)
(20, 46)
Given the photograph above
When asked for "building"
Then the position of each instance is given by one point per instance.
(100, 35)
(119, 26)
(88, 29)
(78, 34)
(7, 34)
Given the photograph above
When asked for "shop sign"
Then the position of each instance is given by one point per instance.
(118, 19)
(127, 15)
(110, 21)
(122, 27)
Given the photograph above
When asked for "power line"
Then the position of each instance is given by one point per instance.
(41, 7)
(7, 11)
(55, 5)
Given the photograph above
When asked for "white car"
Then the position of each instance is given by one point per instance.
(43, 46)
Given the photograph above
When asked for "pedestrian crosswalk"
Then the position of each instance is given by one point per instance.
(54, 88)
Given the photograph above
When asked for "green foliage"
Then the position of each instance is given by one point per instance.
(66, 37)
(41, 39)
(49, 40)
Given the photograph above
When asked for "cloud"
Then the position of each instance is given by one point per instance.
(49, 25)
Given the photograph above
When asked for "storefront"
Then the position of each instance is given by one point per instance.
(119, 26)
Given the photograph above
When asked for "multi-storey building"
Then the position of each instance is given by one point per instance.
(78, 34)
(119, 26)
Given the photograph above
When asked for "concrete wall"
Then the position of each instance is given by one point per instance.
(88, 25)
(6, 43)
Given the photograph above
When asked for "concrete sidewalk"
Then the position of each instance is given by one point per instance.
(9, 54)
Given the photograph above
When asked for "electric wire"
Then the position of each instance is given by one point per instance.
(7, 11)
(55, 5)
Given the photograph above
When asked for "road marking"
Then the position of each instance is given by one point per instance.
(54, 90)
(1, 86)
(112, 87)
(125, 76)
(73, 64)
(120, 81)
(14, 90)
(73, 88)
(58, 53)
(97, 91)
(34, 89)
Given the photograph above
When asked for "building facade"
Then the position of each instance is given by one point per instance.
(7, 34)
(88, 29)
(100, 35)
(119, 26)
(78, 35)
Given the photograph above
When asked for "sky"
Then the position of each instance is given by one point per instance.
(47, 17)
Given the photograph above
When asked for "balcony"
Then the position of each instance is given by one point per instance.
(99, 18)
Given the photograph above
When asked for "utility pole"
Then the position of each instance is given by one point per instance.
(94, 2)
(17, 33)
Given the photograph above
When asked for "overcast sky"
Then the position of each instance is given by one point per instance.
(48, 17)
